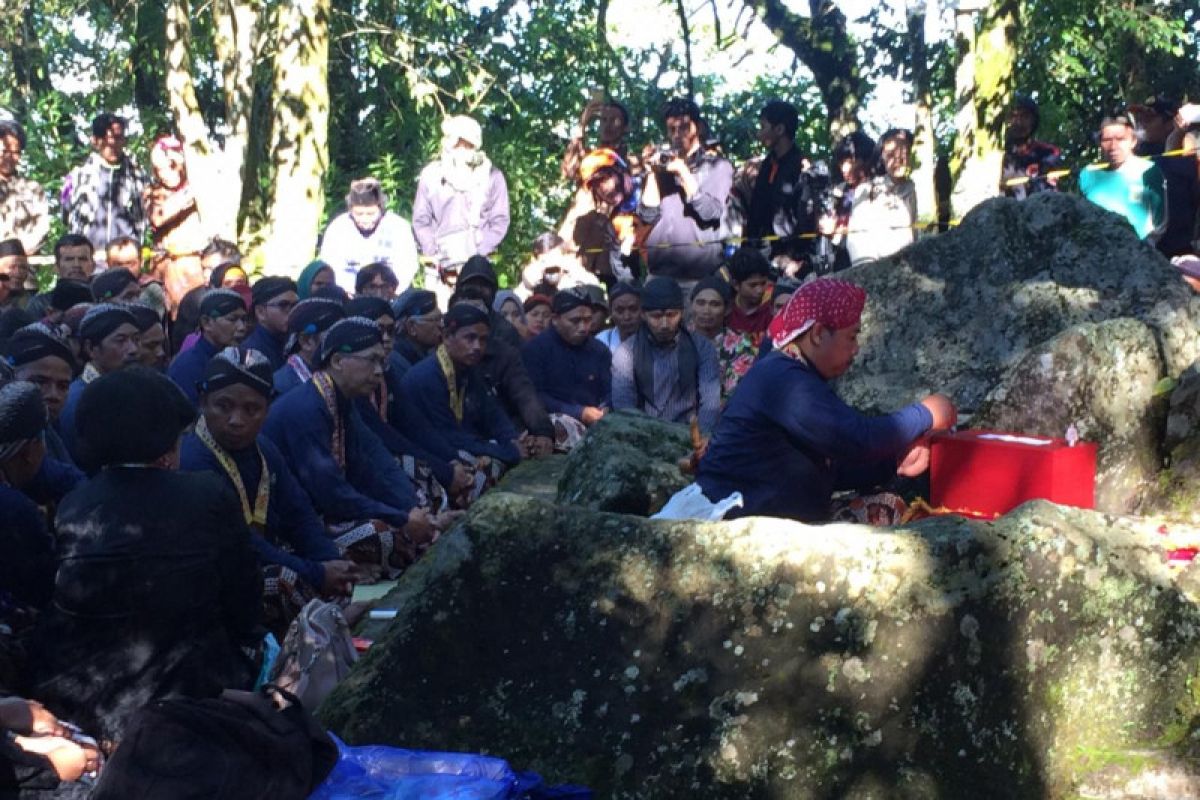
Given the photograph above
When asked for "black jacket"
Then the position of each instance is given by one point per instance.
(157, 591)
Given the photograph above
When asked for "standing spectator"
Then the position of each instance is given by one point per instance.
(664, 370)
(885, 207)
(1126, 184)
(461, 207)
(74, 257)
(1156, 121)
(606, 232)
(784, 201)
(1027, 160)
(612, 120)
(852, 157)
(684, 199)
(551, 268)
(102, 197)
(24, 212)
(175, 227)
(367, 233)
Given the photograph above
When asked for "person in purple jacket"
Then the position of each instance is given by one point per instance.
(786, 441)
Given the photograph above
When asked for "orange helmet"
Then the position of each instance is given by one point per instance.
(604, 158)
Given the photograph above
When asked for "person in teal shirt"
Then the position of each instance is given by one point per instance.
(1126, 184)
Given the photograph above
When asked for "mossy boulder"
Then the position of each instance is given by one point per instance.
(626, 464)
(762, 658)
(1102, 378)
(954, 312)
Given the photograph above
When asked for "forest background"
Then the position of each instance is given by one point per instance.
(281, 103)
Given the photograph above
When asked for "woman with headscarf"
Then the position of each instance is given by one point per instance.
(786, 441)
(157, 590)
(315, 277)
(508, 305)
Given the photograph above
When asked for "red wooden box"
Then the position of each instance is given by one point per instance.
(989, 473)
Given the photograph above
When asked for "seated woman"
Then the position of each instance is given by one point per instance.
(299, 560)
(447, 406)
(786, 441)
(355, 484)
(158, 589)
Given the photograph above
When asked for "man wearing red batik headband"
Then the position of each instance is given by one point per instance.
(787, 442)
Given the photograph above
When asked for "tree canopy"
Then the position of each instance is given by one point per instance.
(281, 103)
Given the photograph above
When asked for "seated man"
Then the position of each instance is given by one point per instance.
(306, 326)
(38, 354)
(152, 336)
(786, 441)
(664, 370)
(157, 590)
(571, 370)
(418, 327)
(116, 285)
(448, 406)
(436, 480)
(222, 324)
(27, 566)
(299, 560)
(272, 299)
(625, 307)
(351, 478)
(109, 336)
(502, 366)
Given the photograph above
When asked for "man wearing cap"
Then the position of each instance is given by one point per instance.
(1026, 159)
(786, 441)
(461, 207)
(222, 324)
(665, 370)
(14, 273)
(571, 370)
(447, 404)
(353, 481)
(27, 568)
(380, 410)
(1157, 127)
(299, 560)
(39, 355)
(1126, 184)
(152, 336)
(625, 308)
(418, 327)
(157, 590)
(272, 300)
(116, 285)
(109, 336)
(307, 324)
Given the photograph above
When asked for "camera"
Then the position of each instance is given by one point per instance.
(664, 155)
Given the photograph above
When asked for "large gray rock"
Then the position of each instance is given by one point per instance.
(626, 464)
(953, 312)
(1101, 377)
(767, 659)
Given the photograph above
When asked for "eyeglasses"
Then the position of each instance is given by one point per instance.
(282, 305)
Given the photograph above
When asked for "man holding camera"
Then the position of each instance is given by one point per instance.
(684, 200)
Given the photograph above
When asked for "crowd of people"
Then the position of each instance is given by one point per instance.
(189, 453)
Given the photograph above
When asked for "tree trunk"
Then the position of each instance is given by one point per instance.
(822, 44)
(299, 135)
(925, 145)
(214, 173)
(986, 35)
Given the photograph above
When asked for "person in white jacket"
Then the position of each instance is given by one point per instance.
(885, 206)
(367, 233)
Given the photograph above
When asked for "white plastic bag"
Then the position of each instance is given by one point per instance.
(690, 503)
